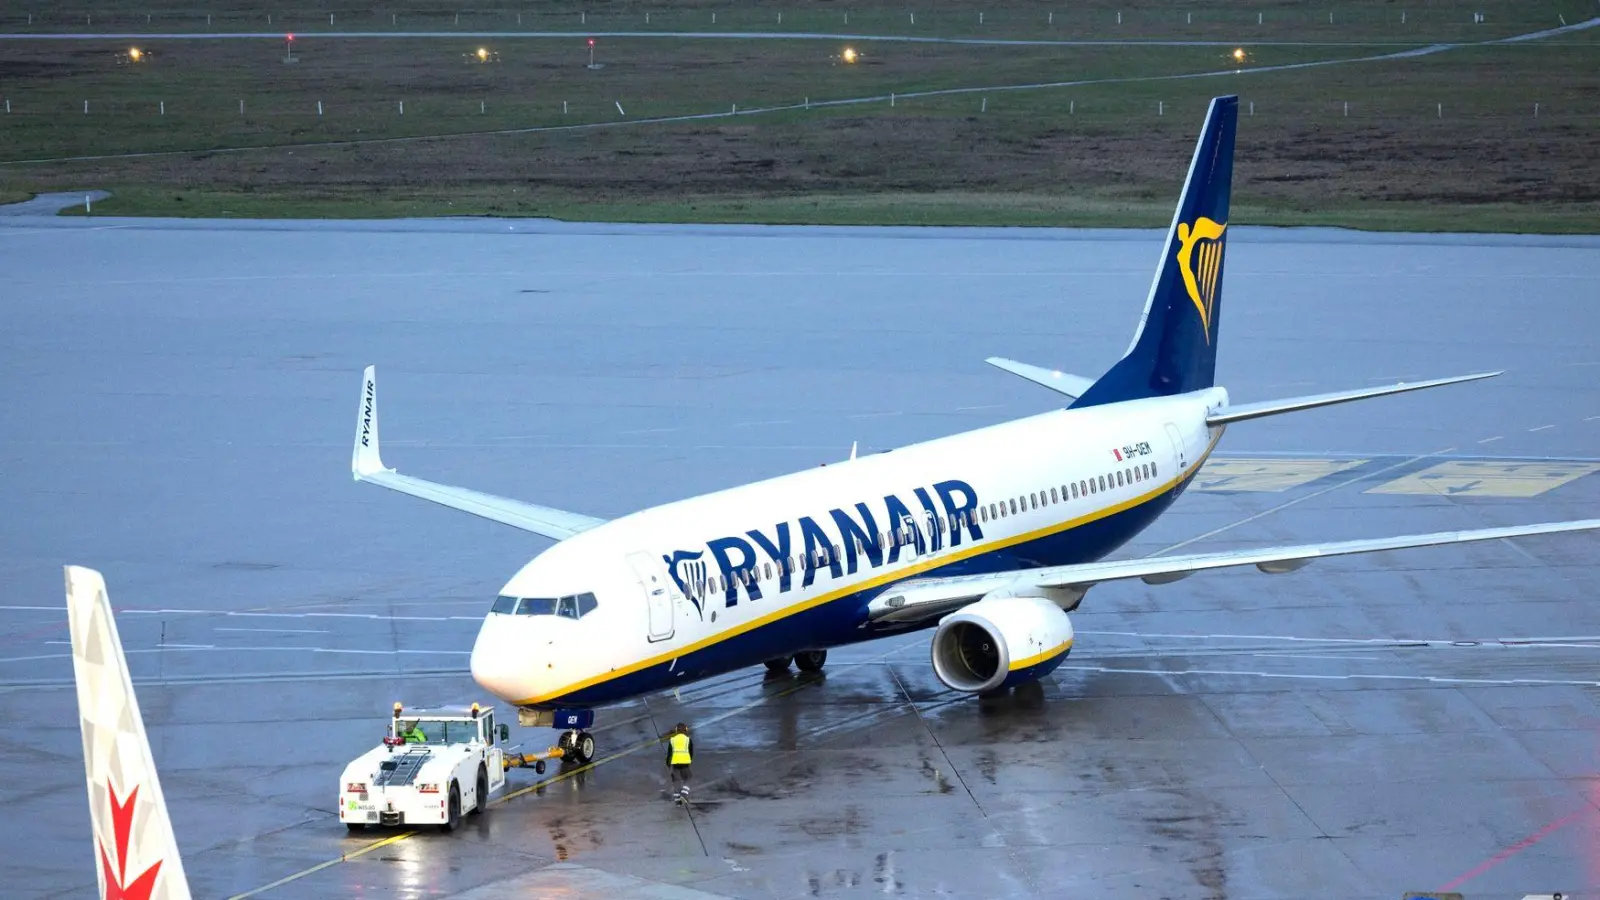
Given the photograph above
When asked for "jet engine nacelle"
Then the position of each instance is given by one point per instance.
(1000, 642)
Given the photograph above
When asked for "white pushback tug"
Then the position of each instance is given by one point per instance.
(431, 766)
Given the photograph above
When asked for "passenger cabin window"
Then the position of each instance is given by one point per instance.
(1053, 496)
(1119, 479)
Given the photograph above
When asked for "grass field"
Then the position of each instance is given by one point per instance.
(1448, 141)
(1230, 20)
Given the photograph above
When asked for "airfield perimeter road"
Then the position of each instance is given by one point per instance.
(177, 401)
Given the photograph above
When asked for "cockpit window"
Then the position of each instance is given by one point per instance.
(572, 606)
(536, 606)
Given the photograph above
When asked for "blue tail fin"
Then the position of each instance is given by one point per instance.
(1175, 350)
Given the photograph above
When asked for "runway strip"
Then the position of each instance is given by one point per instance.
(820, 104)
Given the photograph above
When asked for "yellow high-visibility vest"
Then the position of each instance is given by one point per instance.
(680, 750)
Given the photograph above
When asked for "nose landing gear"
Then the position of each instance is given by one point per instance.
(577, 745)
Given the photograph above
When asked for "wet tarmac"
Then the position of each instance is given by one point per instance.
(176, 408)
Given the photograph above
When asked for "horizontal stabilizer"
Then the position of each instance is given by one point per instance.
(366, 464)
(1071, 385)
(1243, 411)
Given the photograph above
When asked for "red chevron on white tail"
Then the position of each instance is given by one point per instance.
(136, 856)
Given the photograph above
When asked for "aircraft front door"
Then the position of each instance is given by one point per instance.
(658, 592)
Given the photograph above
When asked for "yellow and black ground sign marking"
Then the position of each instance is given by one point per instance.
(1226, 474)
(1485, 478)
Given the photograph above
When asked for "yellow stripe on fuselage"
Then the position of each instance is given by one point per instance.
(886, 578)
(1037, 658)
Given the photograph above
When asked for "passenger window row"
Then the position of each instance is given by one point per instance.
(1067, 492)
(907, 534)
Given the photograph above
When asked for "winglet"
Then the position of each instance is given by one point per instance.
(135, 852)
(365, 459)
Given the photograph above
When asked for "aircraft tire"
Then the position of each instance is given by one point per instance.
(780, 665)
(583, 748)
(811, 660)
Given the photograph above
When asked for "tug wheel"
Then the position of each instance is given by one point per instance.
(483, 791)
(453, 816)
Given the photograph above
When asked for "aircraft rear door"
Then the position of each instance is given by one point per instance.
(658, 593)
(1177, 446)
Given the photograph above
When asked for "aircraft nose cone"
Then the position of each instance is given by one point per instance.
(496, 665)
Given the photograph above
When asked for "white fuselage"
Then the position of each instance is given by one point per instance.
(671, 600)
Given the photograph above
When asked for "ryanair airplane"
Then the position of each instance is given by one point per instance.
(991, 537)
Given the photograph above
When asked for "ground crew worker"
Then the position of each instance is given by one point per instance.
(680, 753)
(413, 734)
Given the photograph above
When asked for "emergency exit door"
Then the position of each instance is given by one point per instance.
(658, 593)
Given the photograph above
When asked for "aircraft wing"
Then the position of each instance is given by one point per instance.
(135, 853)
(920, 599)
(367, 465)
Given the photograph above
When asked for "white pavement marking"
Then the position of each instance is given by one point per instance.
(1316, 656)
(1491, 440)
(1427, 679)
(1565, 640)
(380, 617)
(196, 648)
(1541, 428)
(279, 630)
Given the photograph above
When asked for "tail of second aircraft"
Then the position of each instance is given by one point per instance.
(1175, 349)
(135, 854)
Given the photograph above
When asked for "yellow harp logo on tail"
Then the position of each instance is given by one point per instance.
(1200, 261)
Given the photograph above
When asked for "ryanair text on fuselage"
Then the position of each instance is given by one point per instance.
(853, 540)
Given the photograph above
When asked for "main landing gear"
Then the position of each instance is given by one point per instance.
(577, 745)
(805, 661)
